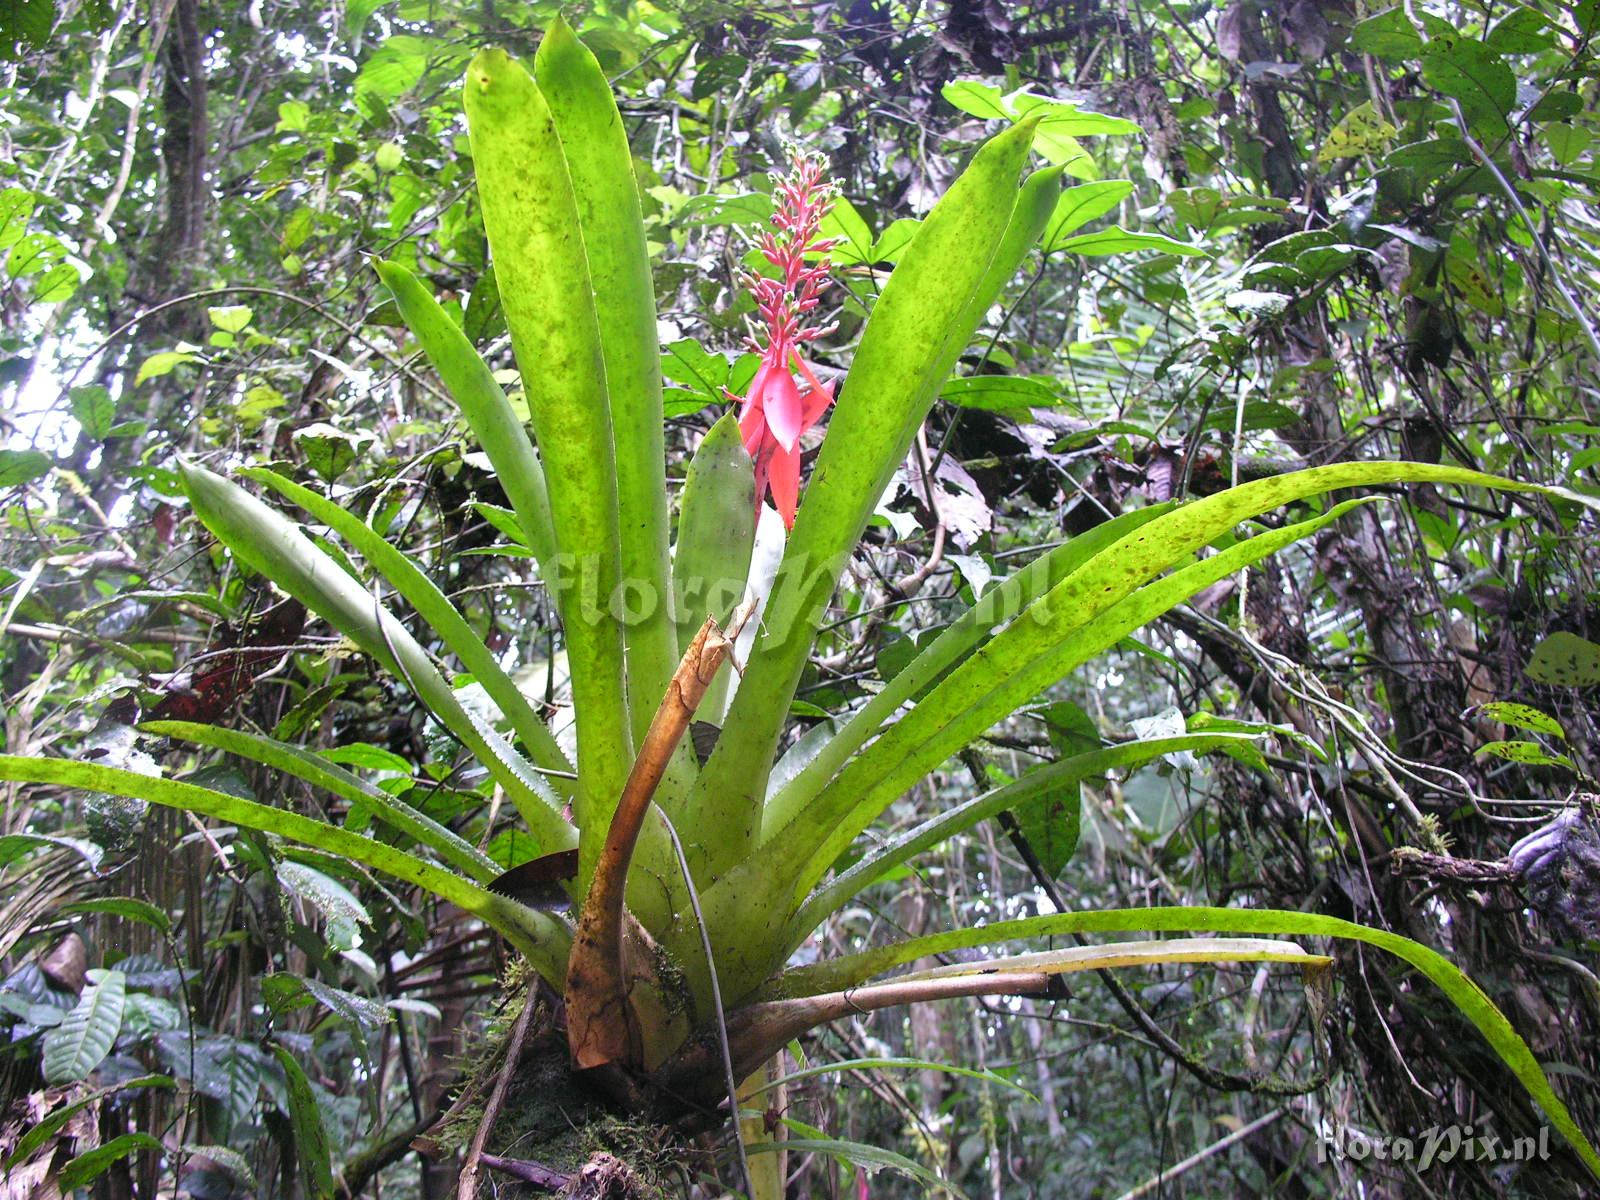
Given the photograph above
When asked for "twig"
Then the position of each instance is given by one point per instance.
(537, 1174)
(467, 1184)
(1178, 1168)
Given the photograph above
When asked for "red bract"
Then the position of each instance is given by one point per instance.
(785, 397)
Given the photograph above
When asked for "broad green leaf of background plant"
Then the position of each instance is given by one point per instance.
(86, 1168)
(1469, 72)
(85, 1036)
(310, 1135)
(1565, 660)
(1080, 205)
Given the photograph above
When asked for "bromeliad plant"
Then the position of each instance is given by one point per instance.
(674, 971)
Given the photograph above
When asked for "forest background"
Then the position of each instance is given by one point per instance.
(1317, 232)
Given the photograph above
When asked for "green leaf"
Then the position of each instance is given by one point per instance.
(1473, 74)
(85, 1168)
(16, 210)
(329, 450)
(1050, 820)
(1523, 716)
(18, 467)
(395, 68)
(687, 362)
(1122, 241)
(56, 284)
(161, 364)
(269, 543)
(504, 521)
(324, 893)
(1521, 31)
(1059, 118)
(541, 940)
(16, 846)
(594, 139)
(976, 97)
(1530, 753)
(718, 208)
(871, 1159)
(356, 15)
(1391, 35)
(1565, 660)
(895, 240)
(93, 409)
(998, 393)
(310, 1135)
(854, 236)
(484, 318)
(76, 1047)
(531, 215)
(285, 992)
(1463, 993)
(716, 533)
(232, 318)
(1050, 824)
(293, 116)
(1080, 205)
(122, 906)
(1360, 131)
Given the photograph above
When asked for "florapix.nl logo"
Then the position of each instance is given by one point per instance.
(1436, 1144)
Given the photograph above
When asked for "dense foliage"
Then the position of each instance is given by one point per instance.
(1303, 234)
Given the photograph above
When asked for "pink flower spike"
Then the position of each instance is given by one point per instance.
(778, 407)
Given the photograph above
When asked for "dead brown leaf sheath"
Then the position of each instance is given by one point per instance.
(600, 1025)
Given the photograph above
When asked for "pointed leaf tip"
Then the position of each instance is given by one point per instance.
(557, 33)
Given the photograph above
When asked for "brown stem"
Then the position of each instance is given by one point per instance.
(599, 1025)
(537, 1174)
(1444, 868)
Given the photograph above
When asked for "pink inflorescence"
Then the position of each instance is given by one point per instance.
(780, 407)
